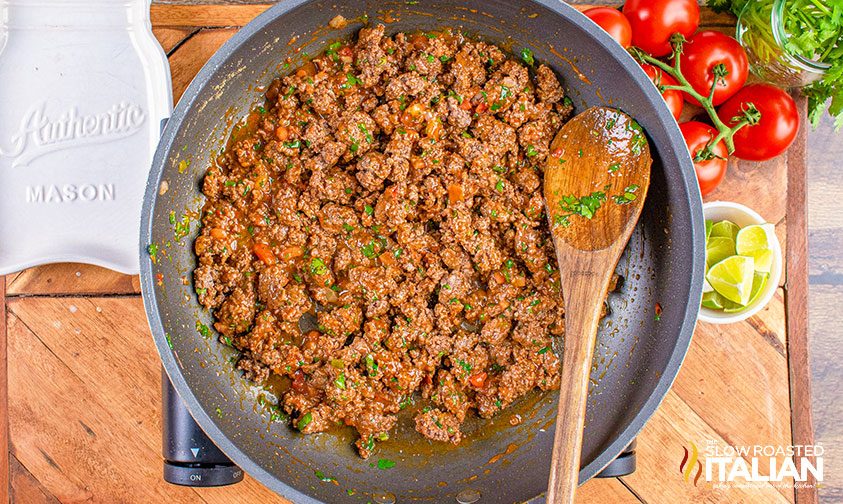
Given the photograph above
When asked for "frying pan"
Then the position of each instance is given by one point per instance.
(638, 353)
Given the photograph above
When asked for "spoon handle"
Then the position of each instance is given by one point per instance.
(584, 291)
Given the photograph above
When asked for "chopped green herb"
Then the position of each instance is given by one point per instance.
(584, 206)
(293, 144)
(531, 151)
(203, 329)
(628, 195)
(350, 80)
(317, 266)
(369, 250)
(384, 464)
(305, 420)
(527, 56)
(499, 185)
(340, 381)
(544, 350)
(319, 474)
(369, 210)
(363, 129)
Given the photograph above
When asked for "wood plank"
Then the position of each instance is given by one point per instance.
(749, 357)
(221, 13)
(605, 490)
(93, 360)
(826, 370)
(797, 302)
(169, 38)
(673, 427)
(70, 278)
(4, 407)
(205, 15)
(25, 488)
(186, 61)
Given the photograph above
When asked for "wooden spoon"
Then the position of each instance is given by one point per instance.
(595, 183)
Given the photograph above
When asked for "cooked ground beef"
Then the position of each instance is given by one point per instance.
(390, 188)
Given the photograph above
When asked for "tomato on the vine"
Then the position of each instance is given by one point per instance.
(702, 53)
(613, 22)
(774, 132)
(673, 97)
(655, 21)
(710, 172)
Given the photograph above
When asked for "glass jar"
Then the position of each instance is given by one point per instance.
(761, 31)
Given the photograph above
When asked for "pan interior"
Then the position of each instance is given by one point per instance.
(637, 354)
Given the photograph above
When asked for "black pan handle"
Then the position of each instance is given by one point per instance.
(190, 458)
(624, 465)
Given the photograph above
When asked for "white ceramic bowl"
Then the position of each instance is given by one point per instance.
(743, 216)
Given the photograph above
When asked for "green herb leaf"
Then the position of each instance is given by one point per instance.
(305, 420)
(317, 266)
(384, 464)
(527, 56)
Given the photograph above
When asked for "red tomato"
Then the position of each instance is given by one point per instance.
(672, 97)
(709, 172)
(654, 21)
(478, 380)
(614, 22)
(705, 50)
(774, 132)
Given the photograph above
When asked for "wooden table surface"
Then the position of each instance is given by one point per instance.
(83, 376)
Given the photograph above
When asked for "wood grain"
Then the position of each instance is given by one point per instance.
(797, 299)
(660, 450)
(81, 376)
(4, 408)
(93, 360)
(724, 373)
(25, 488)
(70, 279)
(223, 13)
(594, 149)
(605, 490)
(192, 55)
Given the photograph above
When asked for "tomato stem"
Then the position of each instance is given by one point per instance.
(725, 132)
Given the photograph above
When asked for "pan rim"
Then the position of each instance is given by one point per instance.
(150, 297)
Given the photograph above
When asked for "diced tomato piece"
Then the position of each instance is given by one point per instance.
(478, 380)
(264, 253)
(455, 193)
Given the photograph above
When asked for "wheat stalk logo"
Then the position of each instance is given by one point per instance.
(691, 459)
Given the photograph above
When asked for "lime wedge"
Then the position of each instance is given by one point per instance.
(758, 284)
(712, 300)
(718, 248)
(726, 229)
(708, 225)
(754, 241)
(732, 278)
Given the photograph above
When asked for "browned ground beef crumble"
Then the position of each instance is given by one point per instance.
(392, 188)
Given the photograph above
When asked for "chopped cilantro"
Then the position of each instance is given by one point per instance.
(527, 56)
(305, 420)
(317, 266)
(384, 464)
